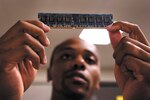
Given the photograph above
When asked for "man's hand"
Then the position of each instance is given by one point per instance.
(132, 57)
(21, 53)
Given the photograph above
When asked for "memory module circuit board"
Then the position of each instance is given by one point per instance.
(65, 20)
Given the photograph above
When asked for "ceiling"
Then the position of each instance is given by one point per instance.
(135, 11)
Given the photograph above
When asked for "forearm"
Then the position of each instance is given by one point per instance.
(10, 88)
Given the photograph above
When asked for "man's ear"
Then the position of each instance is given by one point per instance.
(49, 77)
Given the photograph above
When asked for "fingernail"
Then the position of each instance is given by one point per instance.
(108, 27)
(47, 41)
(45, 60)
(46, 27)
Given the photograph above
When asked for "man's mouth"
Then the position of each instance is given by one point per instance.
(77, 78)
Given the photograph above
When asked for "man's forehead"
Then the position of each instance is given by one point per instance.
(76, 44)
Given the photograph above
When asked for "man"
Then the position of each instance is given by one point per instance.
(74, 70)
(22, 50)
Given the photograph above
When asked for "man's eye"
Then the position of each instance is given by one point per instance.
(90, 60)
(66, 57)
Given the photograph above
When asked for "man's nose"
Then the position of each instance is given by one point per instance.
(79, 63)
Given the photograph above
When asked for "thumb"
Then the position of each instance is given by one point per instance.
(115, 36)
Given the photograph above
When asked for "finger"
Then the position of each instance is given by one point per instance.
(28, 65)
(129, 46)
(39, 24)
(36, 32)
(137, 67)
(26, 69)
(31, 55)
(132, 29)
(36, 46)
(22, 27)
(115, 36)
(120, 77)
(10, 57)
(26, 52)
(27, 72)
(26, 39)
(120, 25)
(131, 69)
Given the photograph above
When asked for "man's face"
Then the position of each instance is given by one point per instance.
(75, 68)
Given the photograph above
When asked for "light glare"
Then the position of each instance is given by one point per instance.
(95, 36)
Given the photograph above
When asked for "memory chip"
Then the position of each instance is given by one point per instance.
(67, 20)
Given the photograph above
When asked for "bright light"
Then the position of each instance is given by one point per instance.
(95, 36)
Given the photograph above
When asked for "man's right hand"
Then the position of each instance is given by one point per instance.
(21, 53)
